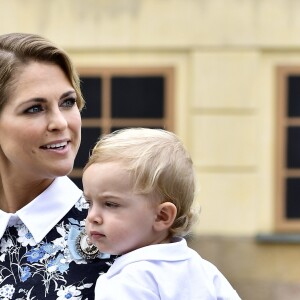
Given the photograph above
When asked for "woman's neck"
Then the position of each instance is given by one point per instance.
(15, 194)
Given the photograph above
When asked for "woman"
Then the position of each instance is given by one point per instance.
(44, 252)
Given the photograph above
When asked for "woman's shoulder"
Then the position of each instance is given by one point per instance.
(52, 268)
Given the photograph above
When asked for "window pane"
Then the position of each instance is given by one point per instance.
(294, 96)
(137, 97)
(91, 88)
(293, 147)
(292, 198)
(89, 137)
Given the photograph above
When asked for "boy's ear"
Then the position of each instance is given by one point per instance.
(166, 214)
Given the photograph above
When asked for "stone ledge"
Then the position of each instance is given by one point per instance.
(278, 238)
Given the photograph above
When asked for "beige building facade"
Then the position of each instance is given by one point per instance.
(224, 54)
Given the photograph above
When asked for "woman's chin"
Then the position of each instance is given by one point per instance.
(63, 170)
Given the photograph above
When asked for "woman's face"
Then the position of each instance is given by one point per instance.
(40, 125)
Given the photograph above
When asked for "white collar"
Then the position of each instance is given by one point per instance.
(177, 250)
(46, 210)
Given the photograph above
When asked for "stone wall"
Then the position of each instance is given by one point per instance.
(258, 271)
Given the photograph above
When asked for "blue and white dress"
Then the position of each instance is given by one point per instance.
(42, 250)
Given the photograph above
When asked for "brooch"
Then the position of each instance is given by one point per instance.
(84, 246)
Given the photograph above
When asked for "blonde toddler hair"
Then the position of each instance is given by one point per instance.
(158, 163)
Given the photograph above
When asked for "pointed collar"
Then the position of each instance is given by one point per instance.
(46, 210)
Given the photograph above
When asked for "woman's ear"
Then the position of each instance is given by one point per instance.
(166, 214)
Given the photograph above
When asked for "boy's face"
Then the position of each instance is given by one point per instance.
(118, 220)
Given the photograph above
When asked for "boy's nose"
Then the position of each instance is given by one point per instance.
(94, 217)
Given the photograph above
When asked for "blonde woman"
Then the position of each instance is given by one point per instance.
(43, 249)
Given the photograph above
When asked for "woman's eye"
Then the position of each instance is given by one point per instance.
(70, 102)
(34, 109)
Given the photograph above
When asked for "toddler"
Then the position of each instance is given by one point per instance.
(140, 186)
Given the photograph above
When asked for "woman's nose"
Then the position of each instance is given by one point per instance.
(57, 121)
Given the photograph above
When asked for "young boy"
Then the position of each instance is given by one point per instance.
(140, 187)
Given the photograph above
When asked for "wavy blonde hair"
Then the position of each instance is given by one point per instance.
(19, 49)
(158, 163)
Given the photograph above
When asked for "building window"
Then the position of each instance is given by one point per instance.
(288, 149)
(120, 98)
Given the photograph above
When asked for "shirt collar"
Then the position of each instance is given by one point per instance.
(46, 210)
(174, 251)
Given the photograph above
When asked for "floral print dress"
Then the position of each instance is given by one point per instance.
(53, 268)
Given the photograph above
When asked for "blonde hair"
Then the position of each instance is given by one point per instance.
(158, 163)
(19, 49)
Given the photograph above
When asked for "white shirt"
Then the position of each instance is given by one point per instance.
(164, 271)
(44, 212)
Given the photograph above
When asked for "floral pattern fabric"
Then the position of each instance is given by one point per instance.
(51, 269)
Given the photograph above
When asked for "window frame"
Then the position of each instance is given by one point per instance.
(106, 121)
(283, 121)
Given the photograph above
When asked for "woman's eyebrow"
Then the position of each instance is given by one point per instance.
(66, 94)
(43, 100)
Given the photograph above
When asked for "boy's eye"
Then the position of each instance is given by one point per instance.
(70, 102)
(87, 201)
(111, 204)
(89, 204)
